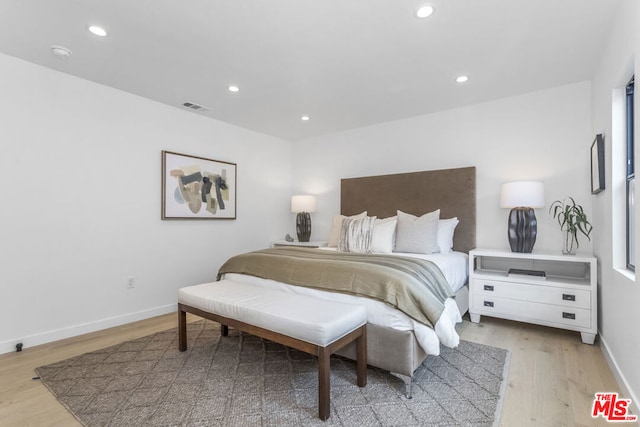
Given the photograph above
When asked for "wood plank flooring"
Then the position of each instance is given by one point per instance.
(552, 375)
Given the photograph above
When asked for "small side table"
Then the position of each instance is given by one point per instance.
(565, 297)
(311, 244)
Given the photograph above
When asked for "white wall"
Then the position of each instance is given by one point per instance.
(80, 204)
(619, 292)
(543, 136)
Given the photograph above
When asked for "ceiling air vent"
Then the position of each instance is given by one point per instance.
(195, 107)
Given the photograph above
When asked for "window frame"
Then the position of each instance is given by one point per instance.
(630, 204)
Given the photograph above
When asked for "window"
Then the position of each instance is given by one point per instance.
(631, 178)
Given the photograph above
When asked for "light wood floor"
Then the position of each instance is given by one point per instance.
(552, 375)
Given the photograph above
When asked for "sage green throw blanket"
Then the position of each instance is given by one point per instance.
(414, 286)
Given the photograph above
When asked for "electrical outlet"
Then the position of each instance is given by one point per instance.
(131, 282)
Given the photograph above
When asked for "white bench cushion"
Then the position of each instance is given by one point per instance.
(319, 322)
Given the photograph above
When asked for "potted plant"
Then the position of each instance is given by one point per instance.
(572, 219)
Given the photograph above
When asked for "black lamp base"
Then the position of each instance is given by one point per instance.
(523, 228)
(303, 226)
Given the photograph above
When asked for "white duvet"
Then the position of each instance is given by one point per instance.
(454, 267)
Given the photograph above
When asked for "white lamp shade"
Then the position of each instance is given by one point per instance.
(528, 194)
(303, 204)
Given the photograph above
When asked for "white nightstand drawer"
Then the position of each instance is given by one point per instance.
(568, 297)
(531, 311)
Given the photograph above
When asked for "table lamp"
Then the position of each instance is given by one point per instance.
(522, 197)
(303, 205)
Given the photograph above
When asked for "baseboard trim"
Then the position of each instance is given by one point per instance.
(84, 328)
(620, 378)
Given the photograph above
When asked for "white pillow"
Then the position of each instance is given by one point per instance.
(356, 234)
(336, 228)
(417, 234)
(383, 237)
(446, 227)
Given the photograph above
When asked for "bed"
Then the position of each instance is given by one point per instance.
(396, 342)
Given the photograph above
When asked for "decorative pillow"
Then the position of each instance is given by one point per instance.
(356, 234)
(336, 228)
(446, 227)
(417, 234)
(383, 237)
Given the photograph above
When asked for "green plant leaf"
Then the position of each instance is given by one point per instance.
(571, 217)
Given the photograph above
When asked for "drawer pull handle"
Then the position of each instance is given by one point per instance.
(488, 303)
(568, 297)
(488, 288)
(566, 315)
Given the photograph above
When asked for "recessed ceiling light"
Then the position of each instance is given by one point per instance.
(60, 51)
(425, 11)
(234, 88)
(462, 79)
(98, 31)
(305, 118)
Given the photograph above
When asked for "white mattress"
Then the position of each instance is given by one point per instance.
(379, 313)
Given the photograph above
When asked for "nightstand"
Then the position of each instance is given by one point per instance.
(545, 289)
(312, 244)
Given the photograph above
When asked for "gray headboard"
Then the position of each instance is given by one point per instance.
(453, 191)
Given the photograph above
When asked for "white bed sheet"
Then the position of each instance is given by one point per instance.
(379, 313)
(454, 265)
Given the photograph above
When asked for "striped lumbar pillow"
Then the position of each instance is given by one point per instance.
(356, 233)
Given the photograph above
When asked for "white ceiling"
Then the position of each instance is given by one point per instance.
(346, 63)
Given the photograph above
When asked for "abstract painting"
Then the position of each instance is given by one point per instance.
(197, 188)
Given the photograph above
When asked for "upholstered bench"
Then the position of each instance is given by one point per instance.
(314, 326)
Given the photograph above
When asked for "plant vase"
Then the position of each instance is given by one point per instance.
(570, 243)
(571, 218)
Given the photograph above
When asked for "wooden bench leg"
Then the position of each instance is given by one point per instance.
(361, 359)
(323, 353)
(324, 384)
(182, 330)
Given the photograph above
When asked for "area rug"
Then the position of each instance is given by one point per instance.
(241, 380)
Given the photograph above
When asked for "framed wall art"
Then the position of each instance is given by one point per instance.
(597, 164)
(197, 188)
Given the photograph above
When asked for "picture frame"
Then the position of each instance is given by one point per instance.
(597, 164)
(197, 188)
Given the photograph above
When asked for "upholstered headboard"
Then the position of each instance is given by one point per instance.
(453, 191)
